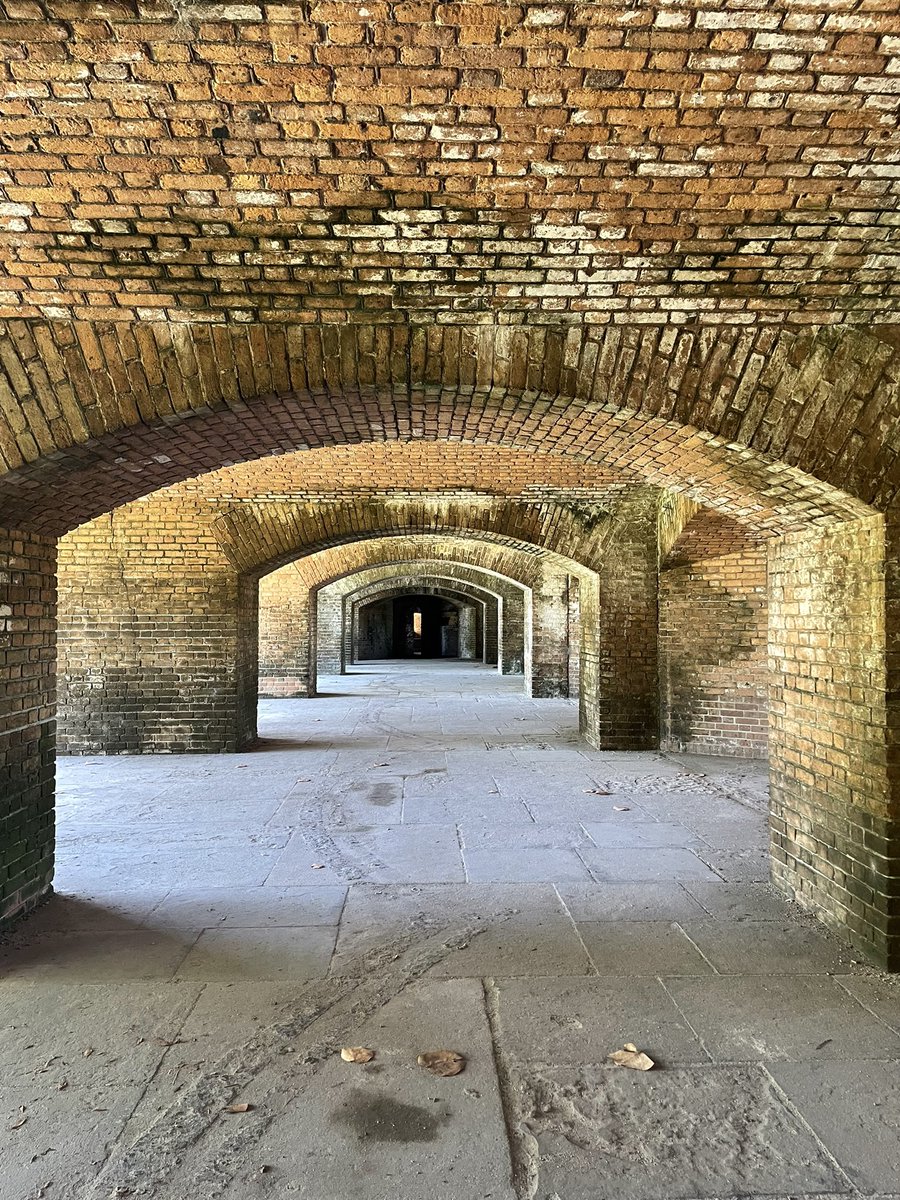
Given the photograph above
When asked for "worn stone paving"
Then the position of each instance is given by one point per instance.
(421, 859)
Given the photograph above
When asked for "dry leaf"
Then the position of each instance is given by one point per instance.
(88, 1052)
(318, 866)
(239, 1108)
(21, 1121)
(357, 1054)
(621, 808)
(632, 1058)
(442, 1062)
(596, 792)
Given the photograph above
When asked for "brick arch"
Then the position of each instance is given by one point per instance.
(461, 599)
(497, 559)
(290, 606)
(490, 591)
(258, 538)
(771, 428)
(521, 564)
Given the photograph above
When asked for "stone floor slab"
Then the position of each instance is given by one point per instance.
(94, 957)
(575, 1021)
(642, 948)
(276, 954)
(767, 947)
(668, 1135)
(525, 865)
(654, 864)
(645, 901)
(868, 1147)
(756, 1018)
(65, 1135)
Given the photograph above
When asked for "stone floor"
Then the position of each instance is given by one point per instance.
(423, 859)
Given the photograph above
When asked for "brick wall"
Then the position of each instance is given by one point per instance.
(27, 727)
(155, 644)
(834, 768)
(713, 655)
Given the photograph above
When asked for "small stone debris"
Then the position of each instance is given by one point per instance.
(318, 866)
(442, 1062)
(357, 1054)
(621, 808)
(596, 792)
(87, 1052)
(239, 1108)
(629, 1056)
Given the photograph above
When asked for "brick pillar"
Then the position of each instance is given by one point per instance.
(491, 625)
(329, 632)
(619, 695)
(285, 641)
(468, 628)
(157, 641)
(834, 658)
(27, 727)
(550, 636)
(574, 635)
(511, 648)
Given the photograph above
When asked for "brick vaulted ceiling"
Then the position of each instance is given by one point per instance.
(288, 225)
(672, 161)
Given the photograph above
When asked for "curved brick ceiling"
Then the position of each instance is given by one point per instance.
(511, 563)
(775, 429)
(260, 537)
(668, 162)
(306, 570)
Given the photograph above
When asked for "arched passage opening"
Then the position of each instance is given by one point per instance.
(771, 495)
(478, 610)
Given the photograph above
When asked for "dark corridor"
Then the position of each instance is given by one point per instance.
(408, 627)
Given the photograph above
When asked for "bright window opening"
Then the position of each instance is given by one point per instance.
(417, 623)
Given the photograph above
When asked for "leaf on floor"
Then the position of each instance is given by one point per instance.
(631, 1057)
(357, 1054)
(621, 808)
(318, 866)
(596, 792)
(239, 1108)
(442, 1062)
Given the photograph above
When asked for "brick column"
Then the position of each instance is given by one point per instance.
(491, 626)
(468, 628)
(619, 695)
(713, 655)
(286, 645)
(550, 636)
(330, 632)
(834, 658)
(511, 648)
(27, 726)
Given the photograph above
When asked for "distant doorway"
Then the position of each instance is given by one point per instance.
(408, 627)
